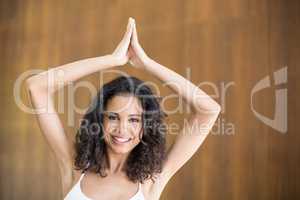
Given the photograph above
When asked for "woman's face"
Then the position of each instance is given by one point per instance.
(122, 123)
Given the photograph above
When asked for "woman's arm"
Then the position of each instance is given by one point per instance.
(193, 95)
(51, 80)
(194, 132)
(41, 89)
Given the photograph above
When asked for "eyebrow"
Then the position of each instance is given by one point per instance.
(118, 114)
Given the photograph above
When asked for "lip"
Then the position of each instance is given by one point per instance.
(120, 140)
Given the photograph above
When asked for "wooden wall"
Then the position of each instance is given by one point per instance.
(235, 42)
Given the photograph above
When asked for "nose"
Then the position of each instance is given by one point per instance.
(122, 128)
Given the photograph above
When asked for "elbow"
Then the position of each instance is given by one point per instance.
(218, 108)
(215, 110)
(38, 84)
(210, 108)
(31, 83)
(38, 94)
(209, 112)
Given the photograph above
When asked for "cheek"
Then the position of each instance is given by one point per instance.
(109, 127)
(135, 130)
(107, 130)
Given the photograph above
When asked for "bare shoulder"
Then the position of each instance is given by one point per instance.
(76, 175)
(69, 180)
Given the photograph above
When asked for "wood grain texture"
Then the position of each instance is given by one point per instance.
(221, 42)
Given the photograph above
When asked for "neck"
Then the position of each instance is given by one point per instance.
(116, 162)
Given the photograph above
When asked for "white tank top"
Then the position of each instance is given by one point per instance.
(76, 193)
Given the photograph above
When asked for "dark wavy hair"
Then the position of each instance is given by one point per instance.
(146, 159)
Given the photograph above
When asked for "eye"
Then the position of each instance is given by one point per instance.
(111, 117)
(134, 120)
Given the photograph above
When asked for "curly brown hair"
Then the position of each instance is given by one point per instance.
(146, 159)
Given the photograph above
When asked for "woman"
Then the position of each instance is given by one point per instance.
(124, 156)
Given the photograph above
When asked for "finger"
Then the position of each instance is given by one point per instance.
(136, 45)
(123, 45)
(127, 36)
(134, 35)
(130, 20)
(128, 32)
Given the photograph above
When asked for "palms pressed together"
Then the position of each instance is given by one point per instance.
(129, 49)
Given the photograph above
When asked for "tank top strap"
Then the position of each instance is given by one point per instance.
(81, 176)
(140, 194)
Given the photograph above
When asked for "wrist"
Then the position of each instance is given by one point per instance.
(115, 60)
(148, 62)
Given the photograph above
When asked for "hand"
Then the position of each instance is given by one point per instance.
(137, 56)
(120, 54)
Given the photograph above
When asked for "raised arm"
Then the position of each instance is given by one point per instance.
(205, 110)
(41, 89)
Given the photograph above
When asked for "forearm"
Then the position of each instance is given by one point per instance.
(58, 77)
(192, 94)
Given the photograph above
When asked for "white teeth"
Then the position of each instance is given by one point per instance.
(121, 139)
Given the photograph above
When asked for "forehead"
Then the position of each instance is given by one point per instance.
(124, 104)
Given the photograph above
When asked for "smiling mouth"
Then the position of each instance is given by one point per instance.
(120, 140)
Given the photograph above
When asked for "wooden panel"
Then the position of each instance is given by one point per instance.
(233, 42)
